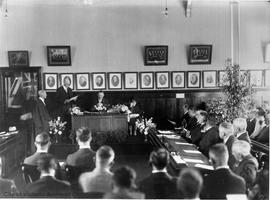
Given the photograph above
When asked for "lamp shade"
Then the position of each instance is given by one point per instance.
(267, 53)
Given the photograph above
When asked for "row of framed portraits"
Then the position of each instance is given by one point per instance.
(148, 80)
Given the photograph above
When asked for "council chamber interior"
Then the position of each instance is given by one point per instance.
(155, 99)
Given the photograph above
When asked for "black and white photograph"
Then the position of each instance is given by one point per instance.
(193, 79)
(68, 78)
(115, 80)
(82, 81)
(209, 79)
(162, 80)
(98, 81)
(178, 79)
(147, 80)
(134, 99)
(50, 81)
(131, 80)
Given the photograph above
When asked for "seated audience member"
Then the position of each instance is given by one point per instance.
(7, 186)
(240, 132)
(124, 185)
(100, 179)
(196, 134)
(251, 121)
(84, 157)
(210, 136)
(247, 164)
(222, 180)
(261, 130)
(226, 134)
(42, 143)
(260, 191)
(192, 121)
(189, 183)
(184, 120)
(159, 184)
(48, 185)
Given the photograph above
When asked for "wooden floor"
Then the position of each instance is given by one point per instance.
(134, 153)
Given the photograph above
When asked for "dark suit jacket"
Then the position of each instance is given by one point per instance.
(82, 158)
(263, 136)
(251, 125)
(191, 123)
(50, 187)
(232, 161)
(196, 134)
(244, 136)
(184, 119)
(247, 169)
(41, 117)
(61, 96)
(209, 138)
(221, 182)
(158, 186)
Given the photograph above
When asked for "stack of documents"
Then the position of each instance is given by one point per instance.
(192, 151)
(191, 160)
(165, 132)
(178, 159)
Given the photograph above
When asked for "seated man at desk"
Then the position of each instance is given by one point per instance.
(101, 102)
(135, 112)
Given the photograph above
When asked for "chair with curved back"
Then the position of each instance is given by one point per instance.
(30, 173)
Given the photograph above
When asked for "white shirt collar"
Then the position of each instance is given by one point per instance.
(84, 146)
(42, 151)
(46, 174)
(157, 171)
(42, 100)
(223, 167)
(238, 134)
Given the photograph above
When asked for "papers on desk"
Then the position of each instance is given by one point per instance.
(191, 160)
(165, 132)
(209, 167)
(172, 136)
(178, 159)
(192, 151)
(184, 143)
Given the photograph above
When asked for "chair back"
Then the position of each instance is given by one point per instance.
(30, 173)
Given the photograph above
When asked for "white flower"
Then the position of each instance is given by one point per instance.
(59, 132)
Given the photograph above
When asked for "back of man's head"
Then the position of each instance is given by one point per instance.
(189, 183)
(124, 177)
(159, 158)
(45, 163)
(42, 141)
(240, 149)
(239, 125)
(83, 134)
(225, 129)
(219, 155)
(104, 155)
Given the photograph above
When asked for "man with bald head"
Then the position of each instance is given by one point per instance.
(41, 116)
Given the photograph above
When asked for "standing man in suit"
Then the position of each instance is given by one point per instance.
(226, 134)
(84, 157)
(261, 130)
(240, 129)
(101, 103)
(48, 185)
(222, 180)
(251, 121)
(41, 116)
(135, 112)
(159, 184)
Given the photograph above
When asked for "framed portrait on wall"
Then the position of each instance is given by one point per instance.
(162, 80)
(147, 80)
(67, 77)
(222, 78)
(130, 80)
(82, 81)
(50, 81)
(58, 56)
(256, 78)
(99, 81)
(115, 80)
(209, 79)
(200, 54)
(178, 79)
(156, 55)
(194, 79)
(267, 77)
(244, 74)
(18, 58)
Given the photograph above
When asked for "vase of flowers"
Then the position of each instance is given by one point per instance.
(57, 127)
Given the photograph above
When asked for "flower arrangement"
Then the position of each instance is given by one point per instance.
(57, 128)
(143, 125)
(120, 108)
(100, 107)
(76, 111)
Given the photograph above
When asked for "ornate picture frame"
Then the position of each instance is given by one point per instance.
(50, 81)
(162, 80)
(146, 80)
(178, 79)
(82, 81)
(131, 80)
(99, 80)
(267, 78)
(156, 55)
(193, 79)
(18, 58)
(58, 56)
(256, 78)
(200, 54)
(68, 76)
(115, 80)
(209, 79)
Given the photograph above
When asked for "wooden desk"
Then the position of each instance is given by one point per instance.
(112, 126)
(177, 145)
